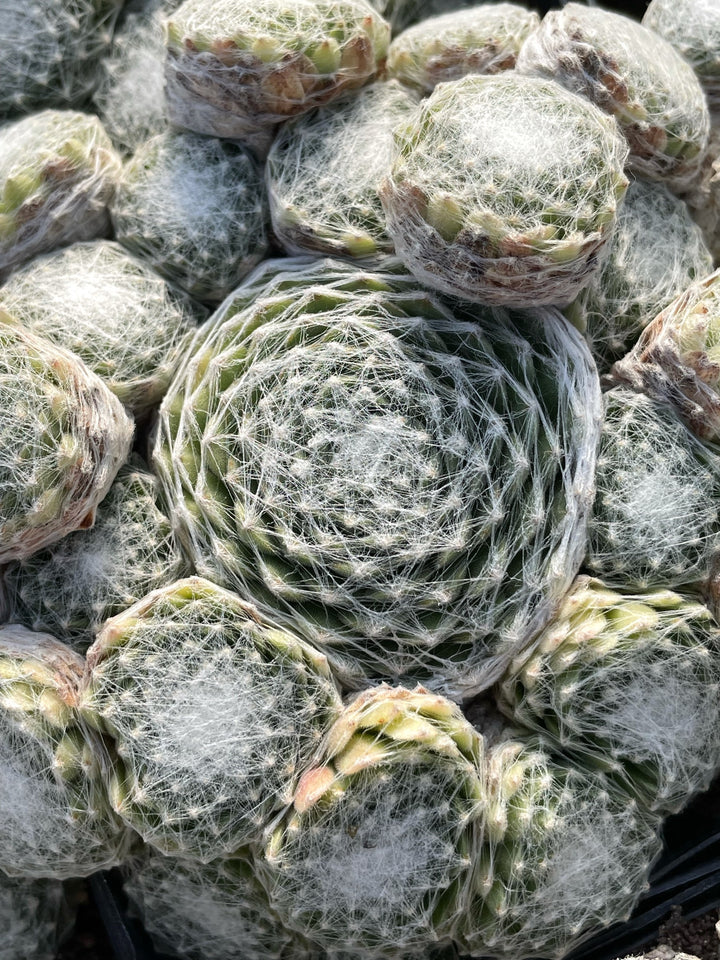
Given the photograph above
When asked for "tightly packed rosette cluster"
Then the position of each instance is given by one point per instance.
(404, 483)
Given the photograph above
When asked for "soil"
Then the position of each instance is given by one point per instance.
(698, 937)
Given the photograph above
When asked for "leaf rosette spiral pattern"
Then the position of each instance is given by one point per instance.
(407, 486)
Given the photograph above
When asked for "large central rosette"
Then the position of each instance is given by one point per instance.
(404, 482)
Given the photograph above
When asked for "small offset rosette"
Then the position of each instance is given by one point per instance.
(58, 172)
(214, 712)
(633, 74)
(63, 438)
(404, 483)
(376, 852)
(677, 358)
(565, 854)
(55, 817)
(209, 911)
(630, 684)
(71, 588)
(111, 310)
(237, 70)
(324, 171)
(484, 39)
(504, 190)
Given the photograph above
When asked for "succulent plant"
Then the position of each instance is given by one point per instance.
(63, 438)
(484, 39)
(213, 911)
(404, 13)
(70, 589)
(195, 209)
(34, 917)
(324, 169)
(375, 854)
(213, 711)
(49, 51)
(655, 521)
(58, 172)
(504, 189)
(677, 358)
(703, 197)
(565, 853)
(404, 484)
(633, 74)
(112, 311)
(656, 252)
(237, 70)
(692, 27)
(627, 683)
(55, 819)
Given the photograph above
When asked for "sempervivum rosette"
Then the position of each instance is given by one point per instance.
(63, 438)
(404, 483)
(195, 209)
(213, 711)
(655, 520)
(628, 683)
(635, 75)
(677, 358)
(324, 171)
(49, 51)
(34, 917)
(58, 172)
(237, 70)
(71, 588)
(655, 253)
(504, 189)
(55, 818)
(213, 911)
(375, 854)
(112, 311)
(566, 853)
(485, 39)
(693, 28)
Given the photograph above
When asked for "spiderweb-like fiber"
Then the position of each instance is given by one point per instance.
(70, 589)
(632, 73)
(112, 311)
(63, 438)
(375, 854)
(236, 70)
(504, 190)
(33, 917)
(677, 358)
(213, 711)
(49, 51)
(485, 39)
(404, 13)
(323, 173)
(55, 819)
(655, 522)
(404, 485)
(655, 253)
(565, 853)
(214, 911)
(629, 684)
(58, 172)
(693, 28)
(703, 197)
(195, 209)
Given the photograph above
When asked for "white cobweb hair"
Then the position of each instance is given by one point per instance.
(70, 589)
(50, 51)
(35, 916)
(655, 253)
(195, 209)
(404, 13)
(110, 309)
(323, 173)
(628, 683)
(655, 520)
(55, 818)
(58, 172)
(484, 39)
(213, 711)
